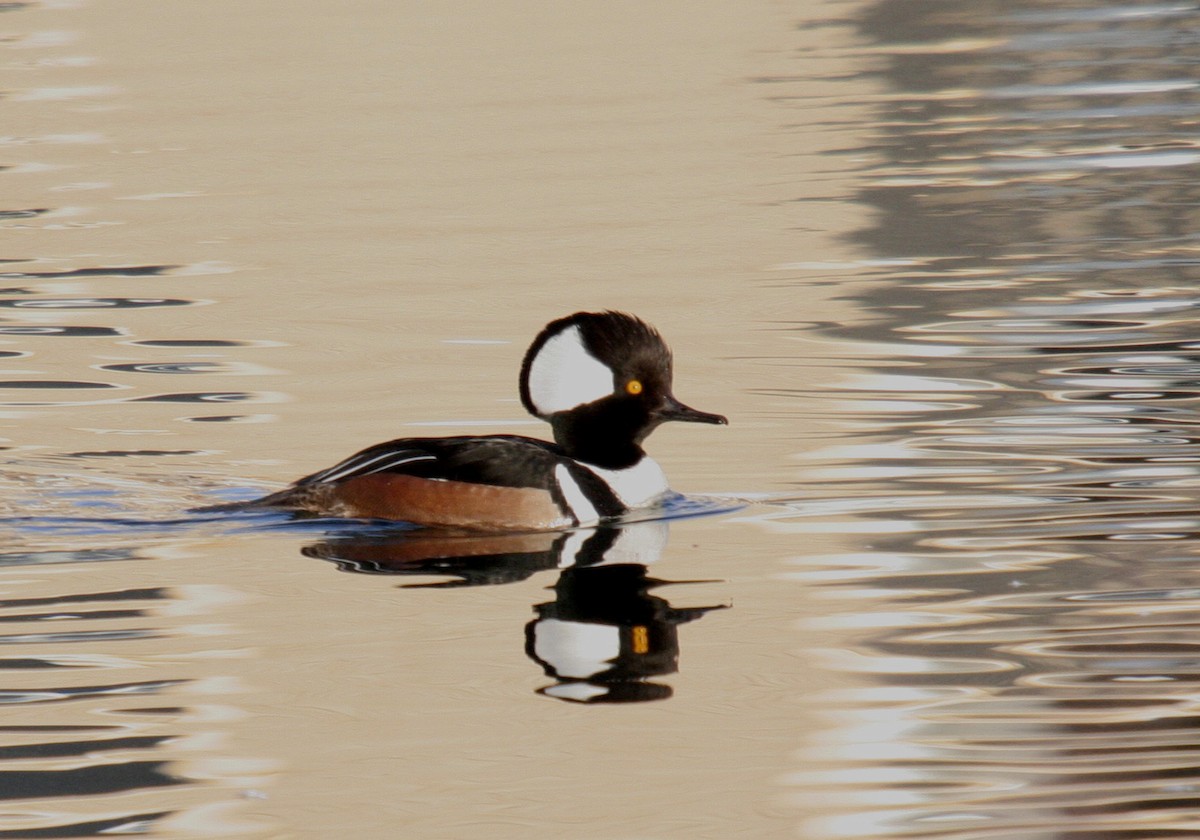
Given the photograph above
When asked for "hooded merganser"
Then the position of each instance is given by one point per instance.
(602, 380)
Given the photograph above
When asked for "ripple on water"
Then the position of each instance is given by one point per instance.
(124, 320)
(97, 303)
(95, 271)
(62, 331)
(1023, 468)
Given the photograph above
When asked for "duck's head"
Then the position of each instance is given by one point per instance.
(602, 380)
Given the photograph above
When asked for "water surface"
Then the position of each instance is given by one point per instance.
(935, 261)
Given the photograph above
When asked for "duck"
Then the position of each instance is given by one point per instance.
(602, 380)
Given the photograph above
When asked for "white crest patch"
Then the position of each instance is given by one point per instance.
(638, 486)
(565, 375)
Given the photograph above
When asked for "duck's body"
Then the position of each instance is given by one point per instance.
(602, 381)
(498, 481)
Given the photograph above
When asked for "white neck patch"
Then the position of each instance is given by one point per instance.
(641, 485)
(565, 375)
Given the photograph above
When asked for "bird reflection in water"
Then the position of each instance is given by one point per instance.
(605, 638)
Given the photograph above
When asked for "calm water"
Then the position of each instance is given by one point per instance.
(936, 262)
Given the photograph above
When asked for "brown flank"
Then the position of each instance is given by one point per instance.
(424, 501)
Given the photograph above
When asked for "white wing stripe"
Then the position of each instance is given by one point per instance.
(388, 459)
(585, 512)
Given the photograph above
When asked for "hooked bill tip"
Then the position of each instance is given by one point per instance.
(714, 419)
(676, 410)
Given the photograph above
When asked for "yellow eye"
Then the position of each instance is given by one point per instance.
(633, 387)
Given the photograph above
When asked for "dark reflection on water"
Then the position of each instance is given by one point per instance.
(189, 342)
(73, 332)
(130, 453)
(1025, 646)
(226, 396)
(6, 215)
(99, 271)
(168, 367)
(603, 639)
(94, 303)
(132, 824)
(84, 781)
(53, 384)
